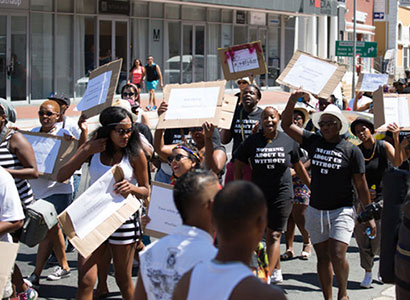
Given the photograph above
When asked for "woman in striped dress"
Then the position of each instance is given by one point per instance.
(116, 142)
(17, 157)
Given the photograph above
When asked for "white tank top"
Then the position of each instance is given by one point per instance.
(219, 280)
(97, 169)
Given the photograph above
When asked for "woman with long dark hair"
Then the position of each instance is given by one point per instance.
(116, 142)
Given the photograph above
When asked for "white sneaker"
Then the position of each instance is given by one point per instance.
(367, 280)
(276, 277)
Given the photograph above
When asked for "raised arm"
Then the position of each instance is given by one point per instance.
(25, 154)
(164, 151)
(287, 124)
(83, 153)
(214, 159)
(394, 154)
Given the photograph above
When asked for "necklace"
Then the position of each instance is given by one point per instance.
(371, 156)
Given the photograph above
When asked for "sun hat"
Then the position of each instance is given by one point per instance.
(302, 109)
(333, 110)
(361, 120)
(243, 79)
(127, 106)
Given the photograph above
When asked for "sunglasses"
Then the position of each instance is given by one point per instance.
(327, 123)
(195, 129)
(242, 82)
(125, 94)
(45, 113)
(122, 131)
(177, 158)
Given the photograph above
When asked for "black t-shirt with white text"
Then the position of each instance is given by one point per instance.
(332, 169)
(243, 122)
(269, 161)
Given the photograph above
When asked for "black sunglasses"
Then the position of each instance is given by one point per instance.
(327, 123)
(125, 94)
(177, 158)
(122, 131)
(47, 113)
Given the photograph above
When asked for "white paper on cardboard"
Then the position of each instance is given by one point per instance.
(372, 82)
(192, 103)
(96, 92)
(46, 152)
(243, 60)
(162, 211)
(95, 205)
(310, 73)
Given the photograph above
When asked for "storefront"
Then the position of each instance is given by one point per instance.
(51, 45)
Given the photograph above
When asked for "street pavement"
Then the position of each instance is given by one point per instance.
(300, 277)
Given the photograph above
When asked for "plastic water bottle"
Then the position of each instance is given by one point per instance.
(369, 232)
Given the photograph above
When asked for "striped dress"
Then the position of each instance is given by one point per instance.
(130, 231)
(9, 160)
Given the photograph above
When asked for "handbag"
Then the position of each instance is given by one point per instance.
(41, 216)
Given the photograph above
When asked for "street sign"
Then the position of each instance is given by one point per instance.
(363, 49)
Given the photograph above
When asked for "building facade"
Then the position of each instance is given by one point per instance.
(52, 45)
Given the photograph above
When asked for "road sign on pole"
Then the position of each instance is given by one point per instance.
(363, 49)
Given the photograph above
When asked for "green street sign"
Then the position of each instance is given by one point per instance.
(363, 49)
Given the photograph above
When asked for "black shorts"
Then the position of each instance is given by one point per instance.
(278, 214)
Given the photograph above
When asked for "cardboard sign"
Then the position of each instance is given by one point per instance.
(8, 257)
(100, 89)
(51, 152)
(312, 74)
(241, 60)
(371, 82)
(162, 211)
(95, 238)
(190, 105)
(389, 108)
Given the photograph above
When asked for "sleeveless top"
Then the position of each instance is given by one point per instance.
(219, 279)
(9, 160)
(97, 169)
(137, 75)
(151, 72)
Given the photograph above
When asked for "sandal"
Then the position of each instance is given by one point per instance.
(305, 254)
(287, 255)
(148, 107)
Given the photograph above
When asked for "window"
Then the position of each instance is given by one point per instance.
(399, 32)
(406, 63)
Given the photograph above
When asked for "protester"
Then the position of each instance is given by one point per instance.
(242, 83)
(330, 217)
(245, 118)
(164, 262)
(377, 155)
(153, 76)
(137, 73)
(11, 219)
(115, 142)
(208, 154)
(300, 200)
(17, 157)
(363, 101)
(239, 216)
(131, 93)
(270, 152)
(57, 193)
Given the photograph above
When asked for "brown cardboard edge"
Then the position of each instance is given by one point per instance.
(48, 135)
(359, 82)
(333, 81)
(155, 233)
(115, 67)
(164, 124)
(378, 105)
(66, 151)
(262, 69)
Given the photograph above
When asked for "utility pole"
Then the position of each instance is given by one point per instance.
(354, 49)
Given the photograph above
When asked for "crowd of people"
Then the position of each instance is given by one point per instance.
(290, 168)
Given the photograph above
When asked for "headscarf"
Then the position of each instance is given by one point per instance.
(9, 110)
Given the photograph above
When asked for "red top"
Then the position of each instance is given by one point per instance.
(137, 75)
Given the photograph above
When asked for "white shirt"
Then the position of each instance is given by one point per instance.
(42, 187)
(219, 279)
(10, 204)
(163, 263)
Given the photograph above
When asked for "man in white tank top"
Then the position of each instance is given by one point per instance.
(164, 262)
(239, 215)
